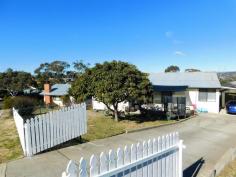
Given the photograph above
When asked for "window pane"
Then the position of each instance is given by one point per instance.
(202, 96)
(211, 96)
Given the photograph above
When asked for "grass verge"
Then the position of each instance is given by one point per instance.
(10, 147)
(229, 170)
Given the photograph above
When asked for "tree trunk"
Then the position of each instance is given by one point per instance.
(116, 116)
(116, 113)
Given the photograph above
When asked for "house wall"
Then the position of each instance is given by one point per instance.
(192, 100)
(101, 106)
(58, 101)
(208, 106)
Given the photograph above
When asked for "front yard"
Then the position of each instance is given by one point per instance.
(10, 147)
(99, 126)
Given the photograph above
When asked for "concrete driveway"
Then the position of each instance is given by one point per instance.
(207, 138)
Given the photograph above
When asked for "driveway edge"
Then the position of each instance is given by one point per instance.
(215, 170)
(228, 157)
(3, 168)
(156, 126)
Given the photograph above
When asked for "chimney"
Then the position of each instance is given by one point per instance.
(47, 98)
(47, 88)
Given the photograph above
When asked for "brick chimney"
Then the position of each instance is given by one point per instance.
(47, 98)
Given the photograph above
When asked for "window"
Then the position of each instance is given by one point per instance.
(207, 95)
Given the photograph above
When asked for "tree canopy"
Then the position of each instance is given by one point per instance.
(59, 72)
(172, 68)
(15, 81)
(112, 83)
(54, 72)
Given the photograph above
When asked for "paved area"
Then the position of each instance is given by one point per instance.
(207, 138)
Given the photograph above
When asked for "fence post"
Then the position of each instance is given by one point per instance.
(180, 158)
(28, 150)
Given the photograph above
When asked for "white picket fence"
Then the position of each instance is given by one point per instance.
(161, 157)
(48, 130)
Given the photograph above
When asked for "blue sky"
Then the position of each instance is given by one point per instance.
(151, 34)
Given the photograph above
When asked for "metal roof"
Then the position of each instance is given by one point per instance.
(58, 90)
(190, 79)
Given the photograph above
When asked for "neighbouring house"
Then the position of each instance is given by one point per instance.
(31, 91)
(200, 89)
(55, 93)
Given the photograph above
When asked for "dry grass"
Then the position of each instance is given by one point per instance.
(99, 127)
(10, 147)
(229, 170)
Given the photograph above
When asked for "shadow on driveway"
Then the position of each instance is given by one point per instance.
(193, 169)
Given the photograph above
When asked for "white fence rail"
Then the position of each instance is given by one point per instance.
(161, 157)
(48, 130)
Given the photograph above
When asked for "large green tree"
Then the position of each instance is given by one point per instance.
(15, 81)
(172, 68)
(112, 83)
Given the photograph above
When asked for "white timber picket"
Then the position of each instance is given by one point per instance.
(103, 163)
(155, 160)
(41, 133)
(133, 159)
(159, 161)
(28, 146)
(83, 168)
(167, 158)
(145, 153)
(111, 160)
(163, 156)
(127, 160)
(44, 128)
(94, 169)
(150, 163)
(139, 159)
(48, 136)
(36, 123)
(48, 130)
(33, 135)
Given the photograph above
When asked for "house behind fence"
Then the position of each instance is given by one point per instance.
(48, 130)
(161, 157)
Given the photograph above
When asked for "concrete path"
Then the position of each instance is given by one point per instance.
(207, 138)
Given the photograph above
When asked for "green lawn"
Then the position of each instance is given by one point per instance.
(99, 126)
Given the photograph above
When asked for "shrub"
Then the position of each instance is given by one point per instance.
(7, 102)
(66, 100)
(24, 105)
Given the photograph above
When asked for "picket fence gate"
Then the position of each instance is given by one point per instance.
(48, 130)
(161, 157)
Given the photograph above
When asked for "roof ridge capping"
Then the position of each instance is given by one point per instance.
(192, 79)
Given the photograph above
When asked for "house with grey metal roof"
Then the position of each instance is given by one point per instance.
(200, 89)
(55, 93)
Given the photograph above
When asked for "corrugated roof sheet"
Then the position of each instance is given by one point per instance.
(190, 79)
(58, 90)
